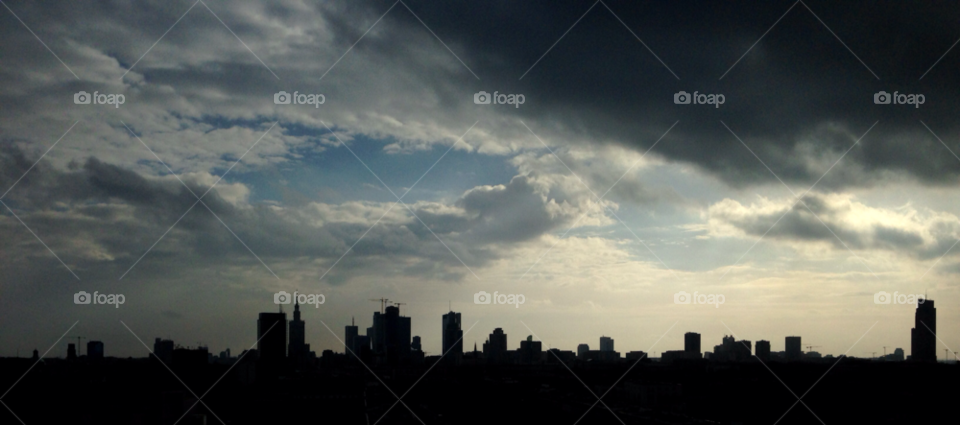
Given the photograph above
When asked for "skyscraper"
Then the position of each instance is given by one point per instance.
(923, 340)
(792, 351)
(452, 337)
(606, 343)
(495, 349)
(582, 350)
(691, 345)
(350, 334)
(376, 334)
(763, 350)
(415, 345)
(298, 348)
(732, 350)
(272, 338)
(71, 352)
(530, 350)
(396, 334)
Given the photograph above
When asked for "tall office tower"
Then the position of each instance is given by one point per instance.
(923, 340)
(415, 345)
(350, 334)
(94, 350)
(792, 350)
(71, 352)
(297, 348)
(495, 349)
(744, 350)
(530, 350)
(396, 330)
(272, 338)
(606, 343)
(376, 334)
(582, 350)
(452, 337)
(691, 345)
(163, 350)
(763, 350)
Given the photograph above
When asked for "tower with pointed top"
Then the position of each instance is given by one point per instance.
(297, 349)
(452, 337)
(350, 334)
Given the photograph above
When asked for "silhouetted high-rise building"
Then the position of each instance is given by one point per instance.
(763, 350)
(94, 350)
(298, 348)
(71, 352)
(415, 345)
(793, 348)
(376, 334)
(163, 350)
(606, 343)
(396, 330)
(530, 350)
(923, 340)
(452, 337)
(732, 350)
(350, 334)
(746, 350)
(691, 345)
(582, 350)
(495, 349)
(272, 338)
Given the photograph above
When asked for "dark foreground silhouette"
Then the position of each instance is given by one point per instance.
(144, 391)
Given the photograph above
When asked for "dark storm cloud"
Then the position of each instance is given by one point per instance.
(799, 98)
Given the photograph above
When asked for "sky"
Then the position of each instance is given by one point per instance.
(602, 199)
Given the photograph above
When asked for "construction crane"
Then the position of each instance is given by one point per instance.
(811, 347)
(383, 302)
(78, 344)
(399, 304)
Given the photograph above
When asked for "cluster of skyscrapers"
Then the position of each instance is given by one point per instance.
(389, 342)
